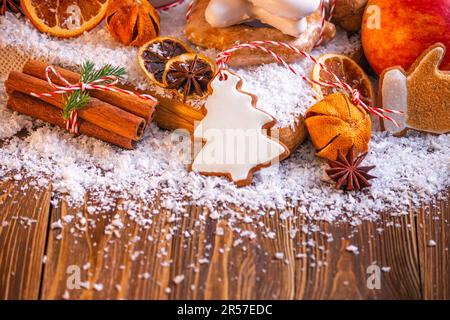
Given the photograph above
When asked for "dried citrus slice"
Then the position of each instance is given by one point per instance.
(154, 55)
(189, 74)
(347, 70)
(64, 18)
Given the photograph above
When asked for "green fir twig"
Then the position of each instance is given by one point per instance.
(79, 99)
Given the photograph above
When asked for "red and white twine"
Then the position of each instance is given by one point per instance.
(189, 9)
(103, 84)
(324, 18)
(170, 5)
(72, 122)
(224, 57)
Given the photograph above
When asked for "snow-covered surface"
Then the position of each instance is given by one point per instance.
(412, 169)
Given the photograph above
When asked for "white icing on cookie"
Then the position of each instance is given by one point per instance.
(235, 142)
(291, 27)
(225, 13)
(395, 96)
(289, 9)
(289, 16)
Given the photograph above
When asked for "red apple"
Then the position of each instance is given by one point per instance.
(396, 32)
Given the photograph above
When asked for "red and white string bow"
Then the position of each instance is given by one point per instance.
(106, 83)
(224, 57)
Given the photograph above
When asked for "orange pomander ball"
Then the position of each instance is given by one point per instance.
(132, 22)
(336, 124)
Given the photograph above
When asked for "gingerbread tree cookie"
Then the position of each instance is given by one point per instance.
(422, 93)
(234, 134)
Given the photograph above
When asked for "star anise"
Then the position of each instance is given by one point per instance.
(190, 76)
(348, 173)
(10, 5)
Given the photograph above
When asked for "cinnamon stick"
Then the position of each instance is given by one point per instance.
(36, 108)
(134, 105)
(100, 113)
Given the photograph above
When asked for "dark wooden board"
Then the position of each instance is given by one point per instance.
(24, 215)
(141, 261)
(215, 266)
(434, 242)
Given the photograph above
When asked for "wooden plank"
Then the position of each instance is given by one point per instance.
(79, 254)
(340, 260)
(276, 273)
(242, 260)
(189, 246)
(24, 215)
(211, 260)
(298, 265)
(434, 241)
(192, 253)
(114, 256)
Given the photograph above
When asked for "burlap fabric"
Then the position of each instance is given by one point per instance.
(11, 59)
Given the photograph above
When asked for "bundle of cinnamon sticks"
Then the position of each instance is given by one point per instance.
(113, 117)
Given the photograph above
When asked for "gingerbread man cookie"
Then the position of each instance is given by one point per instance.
(200, 32)
(286, 15)
(422, 93)
(235, 134)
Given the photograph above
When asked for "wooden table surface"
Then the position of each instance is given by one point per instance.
(125, 264)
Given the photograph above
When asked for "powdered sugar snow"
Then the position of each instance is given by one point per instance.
(413, 168)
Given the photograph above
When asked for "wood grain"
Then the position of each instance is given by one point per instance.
(433, 228)
(175, 255)
(131, 261)
(24, 213)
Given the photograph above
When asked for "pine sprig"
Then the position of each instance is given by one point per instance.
(89, 74)
(79, 99)
(75, 101)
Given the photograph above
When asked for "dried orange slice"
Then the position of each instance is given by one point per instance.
(189, 75)
(64, 18)
(347, 70)
(154, 55)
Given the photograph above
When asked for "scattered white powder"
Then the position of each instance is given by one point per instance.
(353, 249)
(279, 255)
(10, 124)
(98, 287)
(66, 295)
(56, 225)
(220, 231)
(411, 169)
(178, 279)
